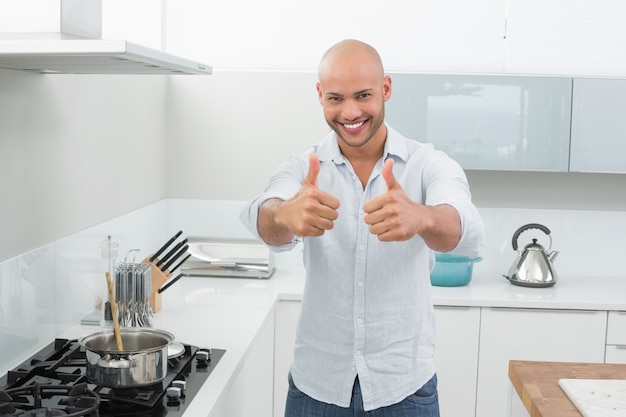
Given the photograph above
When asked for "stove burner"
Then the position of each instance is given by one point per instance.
(49, 401)
(125, 392)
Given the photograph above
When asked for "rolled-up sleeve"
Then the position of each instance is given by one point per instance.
(284, 184)
(446, 183)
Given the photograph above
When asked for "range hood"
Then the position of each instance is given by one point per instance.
(79, 49)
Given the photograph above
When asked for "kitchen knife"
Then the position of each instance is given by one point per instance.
(170, 283)
(180, 263)
(174, 258)
(169, 242)
(168, 255)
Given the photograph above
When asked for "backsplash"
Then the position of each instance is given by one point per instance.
(47, 290)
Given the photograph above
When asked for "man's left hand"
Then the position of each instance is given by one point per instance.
(392, 216)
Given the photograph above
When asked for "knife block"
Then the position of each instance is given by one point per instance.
(158, 279)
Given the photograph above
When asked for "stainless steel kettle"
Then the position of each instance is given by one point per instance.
(533, 266)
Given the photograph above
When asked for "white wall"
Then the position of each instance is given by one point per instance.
(75, 151)
(229, 131)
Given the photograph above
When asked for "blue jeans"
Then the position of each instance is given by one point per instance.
(423, 403)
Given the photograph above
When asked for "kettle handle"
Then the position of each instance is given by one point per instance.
(526, 227)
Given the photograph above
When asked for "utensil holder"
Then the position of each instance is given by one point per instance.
(158, 279)
(133, 289)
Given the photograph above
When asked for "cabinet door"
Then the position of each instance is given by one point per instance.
(250, 393)
(532, 334)
(486, 122)
(457, 359)
(616, 337)
(598, 126)
(615, 354)
(287, 313)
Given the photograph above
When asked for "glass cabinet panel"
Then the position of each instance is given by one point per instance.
(486, 122)
(599, 126)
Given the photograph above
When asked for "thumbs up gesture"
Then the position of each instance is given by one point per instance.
(392, 216)
(311, 211)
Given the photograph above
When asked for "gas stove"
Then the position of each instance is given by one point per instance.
(53, 383)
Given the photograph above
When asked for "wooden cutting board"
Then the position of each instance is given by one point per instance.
(537, 384)
(597, 397)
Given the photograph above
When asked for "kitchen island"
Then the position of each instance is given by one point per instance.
(537, 384)
(242, 316)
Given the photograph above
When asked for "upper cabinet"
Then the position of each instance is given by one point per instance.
(487, 122)
(598, 141)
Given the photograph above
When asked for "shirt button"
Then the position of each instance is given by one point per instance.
(359, 284)
(358, 353)
(361, 247)
(359, 320)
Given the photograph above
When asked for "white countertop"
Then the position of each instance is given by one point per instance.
(228, 313)
(570, 292)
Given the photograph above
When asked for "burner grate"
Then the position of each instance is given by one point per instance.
(49, 400)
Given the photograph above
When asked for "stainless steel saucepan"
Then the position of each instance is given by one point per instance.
(143, 361)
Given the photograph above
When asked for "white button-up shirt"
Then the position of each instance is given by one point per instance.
(367, 305)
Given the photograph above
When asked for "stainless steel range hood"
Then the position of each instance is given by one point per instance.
(79, 49)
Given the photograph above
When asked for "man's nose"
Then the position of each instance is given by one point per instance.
(350, 110)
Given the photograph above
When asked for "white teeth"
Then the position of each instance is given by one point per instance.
(354, 126)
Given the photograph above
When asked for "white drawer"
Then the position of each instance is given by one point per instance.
(616, 328)
(615, 354)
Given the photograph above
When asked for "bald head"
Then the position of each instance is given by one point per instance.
(353, 52)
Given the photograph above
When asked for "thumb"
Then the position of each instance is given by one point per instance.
(390, 180)
(314, 170)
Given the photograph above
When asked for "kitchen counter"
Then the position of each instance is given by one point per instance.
(229, 313)
(537, 384)
(570, 293)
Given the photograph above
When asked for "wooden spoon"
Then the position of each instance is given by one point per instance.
(116, 323)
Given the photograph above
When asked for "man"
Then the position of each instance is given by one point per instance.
(370, 207)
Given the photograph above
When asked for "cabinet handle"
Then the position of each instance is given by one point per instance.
(543, 310)
(453, 307)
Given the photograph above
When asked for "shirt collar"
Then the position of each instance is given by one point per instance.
(328, 149)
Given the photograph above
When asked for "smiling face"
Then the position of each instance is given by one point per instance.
(352, 89)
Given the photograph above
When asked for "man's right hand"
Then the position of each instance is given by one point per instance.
(308, 213)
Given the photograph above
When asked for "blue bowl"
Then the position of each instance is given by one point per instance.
(452, 270)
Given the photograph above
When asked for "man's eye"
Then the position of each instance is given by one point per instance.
(364, 95)
(334, 98)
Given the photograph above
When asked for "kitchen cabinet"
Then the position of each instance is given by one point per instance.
(487, 122)
(457, 359)
(616, 337)
(250, 391)
(598, 126)
(532, 334)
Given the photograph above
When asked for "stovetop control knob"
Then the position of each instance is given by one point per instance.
(174, 395)
(203, 357)
(182, 385)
